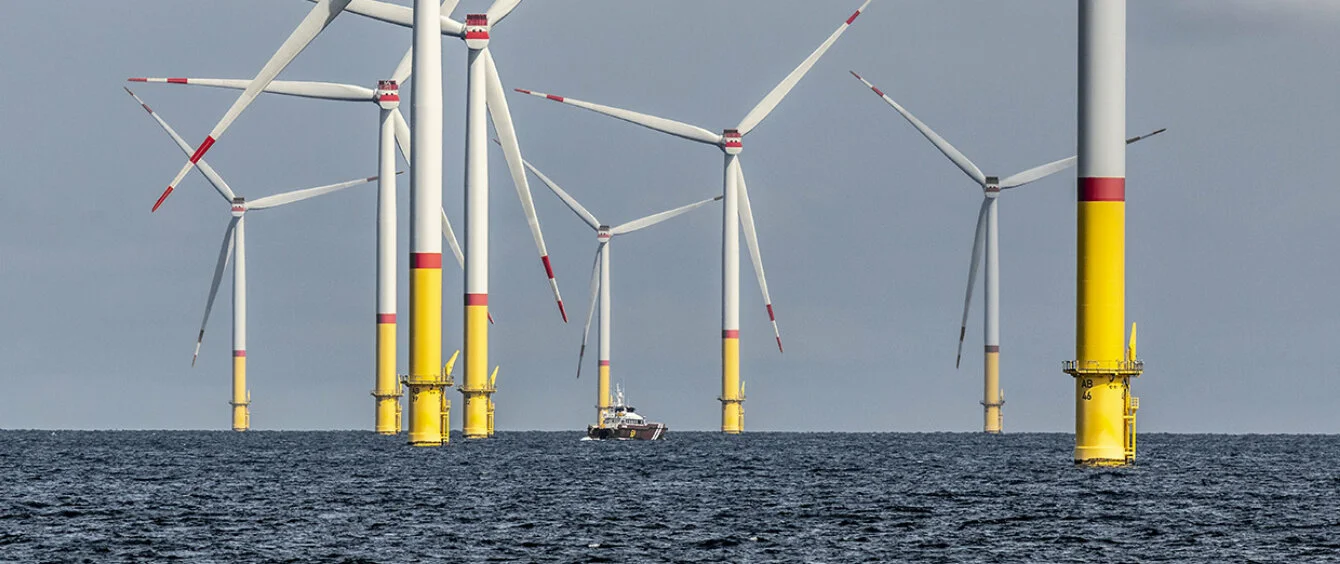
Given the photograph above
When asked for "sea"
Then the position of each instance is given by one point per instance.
(697, 497)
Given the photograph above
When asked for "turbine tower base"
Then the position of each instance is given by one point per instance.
(1104, 411)
(389, 415)
(428, 429)
(479, 400)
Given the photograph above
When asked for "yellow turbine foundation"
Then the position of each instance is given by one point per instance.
(241, 397)
(732, 402)
(476, 391)
(428, 405)
(994, 419)
(388, 390)
(602, 394)
(1104, 418)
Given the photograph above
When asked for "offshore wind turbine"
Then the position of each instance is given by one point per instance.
(234, 238)
(600, 280)
(484, 98)
(735, 210)
(987, 231)
(392, 131)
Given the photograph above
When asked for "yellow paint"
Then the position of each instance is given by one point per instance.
(476, 392)
(994, 419)
(387, 391)
(1102, 372)
(732, 404)
(492, 381)
(426, 397)
(602, 395)
(241, 398)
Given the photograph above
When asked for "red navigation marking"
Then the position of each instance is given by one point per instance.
(176, 81)
(554, 98)
(853, 17)
(779, 345)
(240, 354)
(548, 269)
(604, 363)
(1102, 189)
(562, 311)
(425, 260)
(137, 80)
(476, 299)
(730, 333)
(523, 91)
(204, 147)
(165, 195)
(771, 317)
(385, 318)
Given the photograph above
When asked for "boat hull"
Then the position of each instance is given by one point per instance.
(644, 432)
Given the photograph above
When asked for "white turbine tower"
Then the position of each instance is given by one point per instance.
(234, 237)
(316, 21)
(392, 130)
(736, 206)
(600, 280)
(484, 98)
(986, 231)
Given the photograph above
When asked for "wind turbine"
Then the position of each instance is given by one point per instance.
(234, 237)
(986, 231)
(392, 131)
(600, 280)
(484, 98)
(736, 206)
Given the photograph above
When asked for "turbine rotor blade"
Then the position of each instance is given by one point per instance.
(1038, 173)
(502, 125)
(657, 218)
(299, 88)
(501, 9)
(568, 200)
(304, 194)
(751, 240)
(402, 134)
(954, 155)
(972, 275)
(676, 128)
(321, 15)
(225, 253)
(450, 235)
(403, 16)
(404, 68)
(590, 310)
(770, 102)
(213, 177)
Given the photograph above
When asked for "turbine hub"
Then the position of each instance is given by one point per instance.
(603, 234)
(239, 206)
(388, 94)
(992, 187)
(732, 142)
(477, 31)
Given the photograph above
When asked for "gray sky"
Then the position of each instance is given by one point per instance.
(865, 228)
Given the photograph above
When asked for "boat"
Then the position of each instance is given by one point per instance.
(622, 422)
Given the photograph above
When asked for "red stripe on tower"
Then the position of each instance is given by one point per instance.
(1102, 189)
(476, 299)
(386, 318)
(425, 260)
(240, 354)
(604, 363)
(730, 333)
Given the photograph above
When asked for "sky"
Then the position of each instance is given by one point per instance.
(865, 229)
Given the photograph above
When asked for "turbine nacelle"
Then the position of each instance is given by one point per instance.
(388, 94)
(992, 186)
(603, 234)
(239, 206)
(476, 31)
(732, 142)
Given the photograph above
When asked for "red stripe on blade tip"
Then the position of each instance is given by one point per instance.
(137, 79)
(779, 345)
(548, 268)
(771, 317)
(425, 260)
(1102, 189)
(165, 195)
(523, 91)
(562, 311)
(853, 17)
(176, 81)
(204, 148)
(554, 98)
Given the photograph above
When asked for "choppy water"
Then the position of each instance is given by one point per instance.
(699, 497)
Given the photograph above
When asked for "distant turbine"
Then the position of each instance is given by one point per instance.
(993, 399)
(234, 236)
(393, 131)
(484, 99)
(600, 280)
(736, 206)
